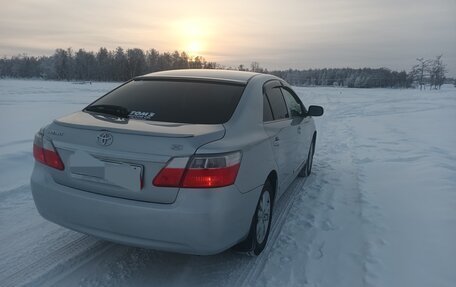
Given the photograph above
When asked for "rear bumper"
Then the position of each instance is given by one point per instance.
(199, 221)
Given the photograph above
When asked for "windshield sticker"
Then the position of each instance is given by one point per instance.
(140, 115)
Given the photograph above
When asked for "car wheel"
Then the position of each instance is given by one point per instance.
(261, 224)
(307, 168)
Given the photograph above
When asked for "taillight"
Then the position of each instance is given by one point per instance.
(207, 171)
(45, 152)
(212, 171)
(171, 174)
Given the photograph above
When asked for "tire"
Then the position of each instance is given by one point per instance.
(261, 224)
(307, 168)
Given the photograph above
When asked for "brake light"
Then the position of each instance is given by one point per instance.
(203, 171)
(212, 171)
(171, 174)
(45, 152)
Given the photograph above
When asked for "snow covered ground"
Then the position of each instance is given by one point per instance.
(378, 210)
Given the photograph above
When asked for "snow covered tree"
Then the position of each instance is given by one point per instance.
(62, 64)
(136, 62)
(210, 65)
(196, 63)
(120, 65)
(104, 65)
(85, 67)
(152, 58)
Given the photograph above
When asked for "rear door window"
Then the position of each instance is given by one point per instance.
(267, 113)
(278, 106)
(193, 102)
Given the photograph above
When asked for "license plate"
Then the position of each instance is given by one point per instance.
(124, 175)
(86, 167)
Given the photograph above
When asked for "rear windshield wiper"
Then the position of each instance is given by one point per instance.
(114, 110)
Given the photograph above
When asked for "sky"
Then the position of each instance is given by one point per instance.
(298, 34)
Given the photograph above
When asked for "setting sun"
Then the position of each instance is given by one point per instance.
(193, 36)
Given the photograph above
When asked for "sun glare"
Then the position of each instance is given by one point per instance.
(193, 36)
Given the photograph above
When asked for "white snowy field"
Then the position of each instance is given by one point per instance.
(378, 210)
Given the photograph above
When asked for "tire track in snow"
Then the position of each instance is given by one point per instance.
(14, 143)
(17, 263)
(280, 213)
(45, 265)
(53, 266)
(26, 237)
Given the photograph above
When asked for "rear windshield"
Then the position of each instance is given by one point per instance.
(193, 102)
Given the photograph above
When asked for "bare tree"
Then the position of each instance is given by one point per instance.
(420, 71)
(255, 67)
(437, 71)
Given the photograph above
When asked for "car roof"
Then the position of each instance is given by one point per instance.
(202, 74)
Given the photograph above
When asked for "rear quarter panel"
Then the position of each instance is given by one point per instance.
(245, 132)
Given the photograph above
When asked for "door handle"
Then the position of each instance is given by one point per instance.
(276, 141)
(299, 129)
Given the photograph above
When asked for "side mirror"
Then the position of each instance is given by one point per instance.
(314, 111)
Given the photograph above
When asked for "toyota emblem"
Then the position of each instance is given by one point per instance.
(104, 139)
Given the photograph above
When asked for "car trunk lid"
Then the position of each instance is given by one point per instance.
(120, 157)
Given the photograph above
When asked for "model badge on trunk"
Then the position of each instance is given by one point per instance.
(104, 139)
(55, 132)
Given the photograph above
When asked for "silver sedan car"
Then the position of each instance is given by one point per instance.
(189, 161)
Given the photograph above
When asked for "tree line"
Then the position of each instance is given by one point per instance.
(121, 65)
(104, 65)
(347, 77)
(431, 72)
